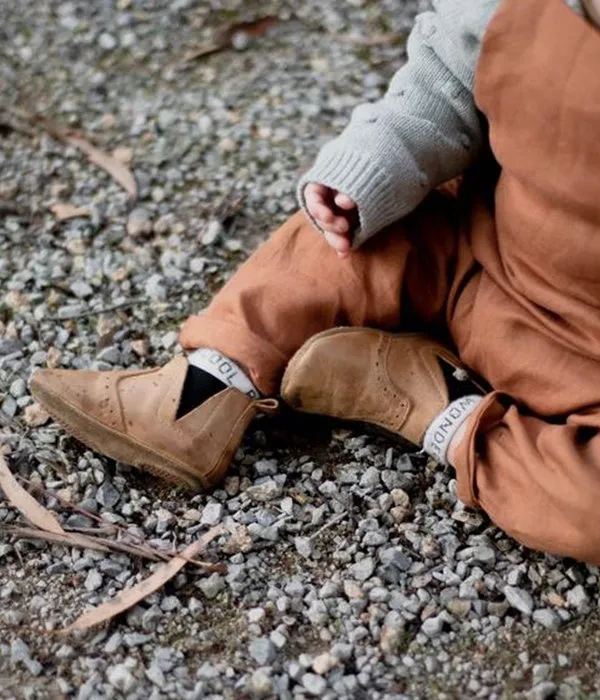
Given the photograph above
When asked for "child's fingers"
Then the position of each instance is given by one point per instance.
(339, 243)
(344, 202)
(337, 224)
(314, 195)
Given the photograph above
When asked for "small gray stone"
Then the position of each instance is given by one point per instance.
(262, 650)
(432, 626)
(19, 653)
(93, 580)
(264, 491)
(305, 546)
(169, 340)
(81, 289)
(260, 684)
(18, 388)
(317, 613)
(170, 603)
(111, 354)
(155, 676)
(314, 684)
(330, 589)
(211, 514)
(107, 41)
(213, 230)
(139, 222)
(107, 495)
(212, 586)
(121, 678)
(114, 642)
(370, 479)
(363, 569)
(519, 599)
(9, 406)
(323, 663)
(578, 598)
(8, 346)
(155, 288)
(547, 618)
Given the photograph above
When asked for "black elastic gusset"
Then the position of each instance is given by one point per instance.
(197, 387)
(457, 388)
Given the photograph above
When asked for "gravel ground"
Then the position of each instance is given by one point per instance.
(352, 571)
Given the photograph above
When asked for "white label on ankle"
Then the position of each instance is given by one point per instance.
(445, 425)
(221, 367)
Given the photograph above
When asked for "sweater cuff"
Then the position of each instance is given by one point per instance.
(357, 176)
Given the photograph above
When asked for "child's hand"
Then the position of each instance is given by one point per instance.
(335, 213)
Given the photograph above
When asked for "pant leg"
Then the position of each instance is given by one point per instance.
(294, 286)
(539, 480)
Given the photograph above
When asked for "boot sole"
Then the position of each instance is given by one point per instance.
(111, 443)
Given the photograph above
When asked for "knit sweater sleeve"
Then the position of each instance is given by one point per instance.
(424, 131)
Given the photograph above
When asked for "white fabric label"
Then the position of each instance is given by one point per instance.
(445, 425)
(221, 367)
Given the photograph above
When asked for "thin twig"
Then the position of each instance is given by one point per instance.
(330, 523)
(142, 545)
(98, 312)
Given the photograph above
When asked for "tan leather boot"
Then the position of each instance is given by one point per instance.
(130, 416)
(395, 382)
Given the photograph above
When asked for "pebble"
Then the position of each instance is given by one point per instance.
(93, 580)
(19, 653)
(18, 388)
(121, 678)
(519, 599)
(263, 492)
(304, 546)
(211, 514)
(107, 495)
(139, 222)
(212, 586)
(314, 684)
(323, 663)
(363, 569)
(262, 651)
(155, 288)
(260, 684)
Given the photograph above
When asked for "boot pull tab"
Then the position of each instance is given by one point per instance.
(268, 406)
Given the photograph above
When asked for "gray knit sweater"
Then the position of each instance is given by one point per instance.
(424, 131)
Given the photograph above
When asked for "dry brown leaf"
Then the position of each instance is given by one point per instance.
(131, 596)
(64, 211)
(123, 155)
(119, 172)
(25, 503)
(224, 39)
(35, 415)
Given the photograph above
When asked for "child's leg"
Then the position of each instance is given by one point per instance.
(187, 427)
(295, 286)
(539, 481)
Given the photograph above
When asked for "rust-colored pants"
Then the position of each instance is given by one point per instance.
(538, 479)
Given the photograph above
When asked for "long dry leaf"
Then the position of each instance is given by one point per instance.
(63, 211)
(131, 596)
(224, 39)
(25, 503)
(117, 170)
